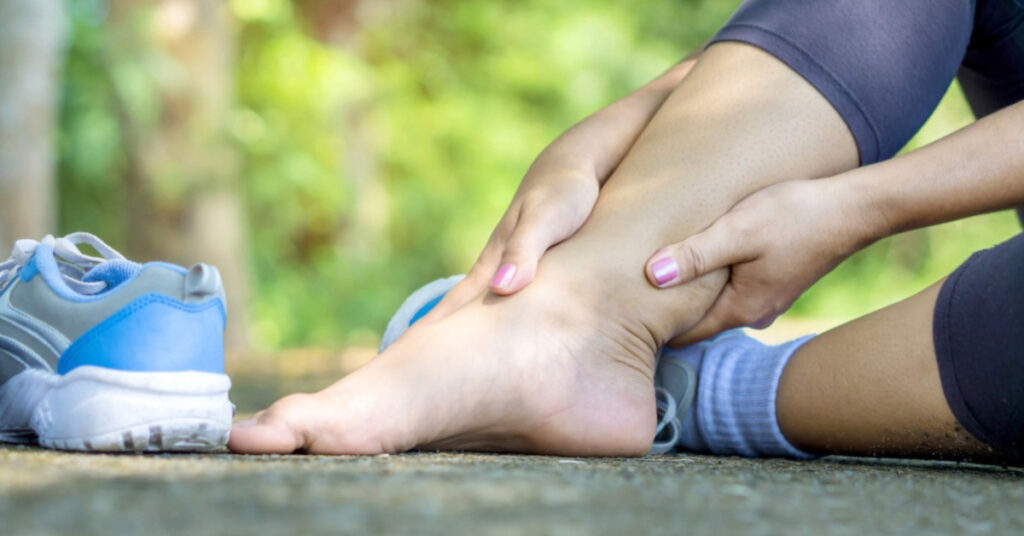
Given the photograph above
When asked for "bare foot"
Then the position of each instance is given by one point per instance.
(548, 370)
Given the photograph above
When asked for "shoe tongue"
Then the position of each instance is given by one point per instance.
(112, 272)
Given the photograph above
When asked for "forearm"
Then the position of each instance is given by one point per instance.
(742, 120)
(559, 191)
(975, 170)
(595, 146)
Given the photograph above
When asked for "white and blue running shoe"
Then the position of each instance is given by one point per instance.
(105, 354)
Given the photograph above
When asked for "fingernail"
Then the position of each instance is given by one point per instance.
(763, 323)
(503, 277)
(248, 423)
(665, 270)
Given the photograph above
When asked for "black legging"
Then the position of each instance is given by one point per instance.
(979, 340)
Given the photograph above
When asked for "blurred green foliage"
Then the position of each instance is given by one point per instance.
(379, 159)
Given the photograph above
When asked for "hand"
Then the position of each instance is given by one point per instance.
(778, 241)
(550, 206)
(559, 192)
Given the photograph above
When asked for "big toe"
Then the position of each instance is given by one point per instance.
(262, 438)
(279, 429)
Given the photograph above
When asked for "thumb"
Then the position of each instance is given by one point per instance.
(722, 316)
(535, 232)
(716, 247)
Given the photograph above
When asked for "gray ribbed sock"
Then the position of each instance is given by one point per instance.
(738, 378)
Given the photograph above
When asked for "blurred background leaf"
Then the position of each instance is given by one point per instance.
(335, 155)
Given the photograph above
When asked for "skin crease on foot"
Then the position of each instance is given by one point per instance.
(566, 365)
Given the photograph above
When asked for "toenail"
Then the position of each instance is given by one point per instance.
(503, 277)
(664, 270)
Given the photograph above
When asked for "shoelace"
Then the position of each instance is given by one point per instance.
(72, 263)
(667, 418)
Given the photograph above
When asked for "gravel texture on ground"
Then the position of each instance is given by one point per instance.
(45, 492)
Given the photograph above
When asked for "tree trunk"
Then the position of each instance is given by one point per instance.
(182, 170)
(337, 23)
(31, 51)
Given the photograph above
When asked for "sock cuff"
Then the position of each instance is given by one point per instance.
(737, 395)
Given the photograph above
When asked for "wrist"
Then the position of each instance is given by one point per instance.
(856, 208)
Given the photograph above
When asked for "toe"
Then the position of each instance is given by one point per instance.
(313, 424)
(262, 439)
(280, 429)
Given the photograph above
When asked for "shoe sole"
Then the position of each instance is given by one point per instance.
(93, 409)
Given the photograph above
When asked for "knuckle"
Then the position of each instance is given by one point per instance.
(516, 251)
(696, 258)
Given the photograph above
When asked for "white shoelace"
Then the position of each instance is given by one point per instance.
(668, 409)
(73, 263)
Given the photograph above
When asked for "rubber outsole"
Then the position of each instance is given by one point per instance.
(93, 409)
(181, 435)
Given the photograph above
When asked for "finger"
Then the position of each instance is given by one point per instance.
(475, 282)
(472, 286)
(725, 314)
(537, 230)
(716, 247)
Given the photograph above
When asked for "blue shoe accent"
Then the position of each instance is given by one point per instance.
(427, 307)
(154, 333)
(29, 270)
(416, 306)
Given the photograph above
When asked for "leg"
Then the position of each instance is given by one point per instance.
(566, 365)
(871, 387)
(876, 385)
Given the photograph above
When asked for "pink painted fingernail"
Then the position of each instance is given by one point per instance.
(665, 270)
(503, 277)
(763, 323)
